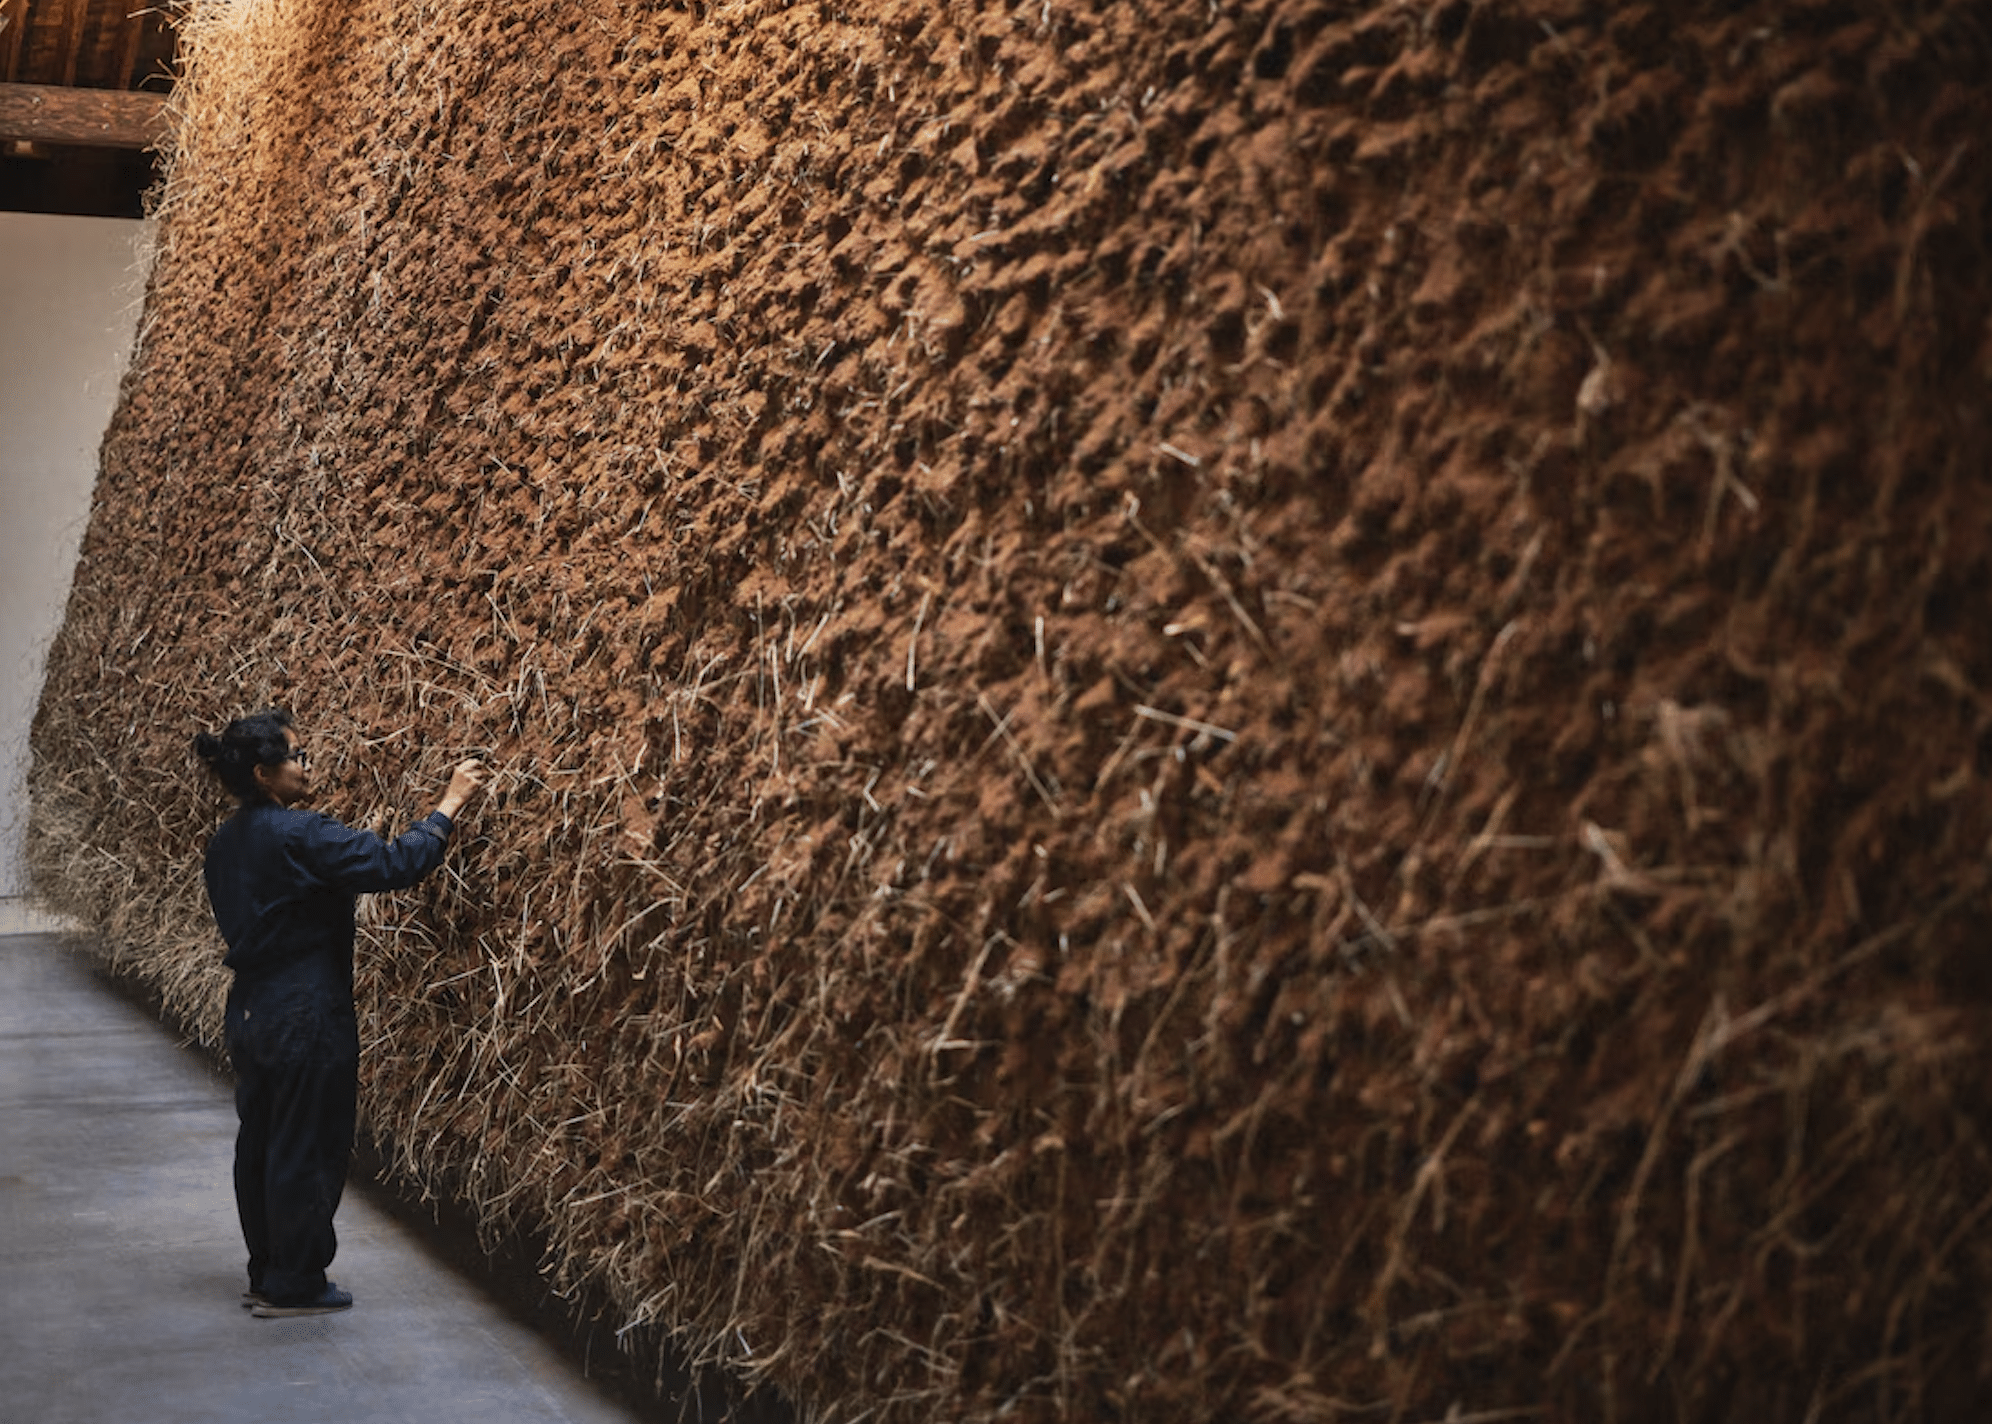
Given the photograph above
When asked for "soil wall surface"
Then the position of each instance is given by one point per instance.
(1254, 710)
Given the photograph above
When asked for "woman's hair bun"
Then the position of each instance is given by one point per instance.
(245, 744)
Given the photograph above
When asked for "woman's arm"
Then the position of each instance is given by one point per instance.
(340, 857)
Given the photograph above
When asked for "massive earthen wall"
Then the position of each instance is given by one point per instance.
(1258, 710)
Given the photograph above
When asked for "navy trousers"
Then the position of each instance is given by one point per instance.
(292, 1149)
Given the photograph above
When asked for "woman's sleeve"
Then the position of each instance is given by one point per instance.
(339, 857)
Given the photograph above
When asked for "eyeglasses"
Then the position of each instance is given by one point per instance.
(300, 756)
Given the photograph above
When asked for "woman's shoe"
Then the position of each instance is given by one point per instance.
(327, 1302)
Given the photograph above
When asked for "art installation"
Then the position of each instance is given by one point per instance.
(1260, 711)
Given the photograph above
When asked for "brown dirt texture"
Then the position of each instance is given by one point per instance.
(1256, 710)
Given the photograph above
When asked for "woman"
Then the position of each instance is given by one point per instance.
(282, 882)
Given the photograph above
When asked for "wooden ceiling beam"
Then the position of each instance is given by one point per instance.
(85, 118)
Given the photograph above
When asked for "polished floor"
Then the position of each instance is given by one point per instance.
(121, 1266)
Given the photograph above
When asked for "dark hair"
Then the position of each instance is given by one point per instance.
(245, 744)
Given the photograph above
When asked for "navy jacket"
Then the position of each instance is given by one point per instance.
(283, 884)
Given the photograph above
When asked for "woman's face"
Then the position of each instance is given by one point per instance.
(289, 781)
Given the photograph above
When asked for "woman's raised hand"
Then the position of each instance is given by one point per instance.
(466, 779)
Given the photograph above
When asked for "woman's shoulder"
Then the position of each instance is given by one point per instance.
(297, 823)
(266, 824)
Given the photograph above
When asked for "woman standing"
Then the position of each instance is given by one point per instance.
(282, 882)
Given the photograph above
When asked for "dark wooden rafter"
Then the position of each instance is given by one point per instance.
(15, 13)
(129, 44)
(96, 118)
(74, 13)
(87, 44)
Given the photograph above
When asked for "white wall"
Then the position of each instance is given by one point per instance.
(70, 290)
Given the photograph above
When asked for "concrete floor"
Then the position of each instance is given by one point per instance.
(121, 1264)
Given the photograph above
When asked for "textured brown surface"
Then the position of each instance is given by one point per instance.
(1204, 712)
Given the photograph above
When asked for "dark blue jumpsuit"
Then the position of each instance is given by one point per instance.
(283, 884)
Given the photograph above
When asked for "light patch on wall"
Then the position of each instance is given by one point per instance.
(70, 290)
